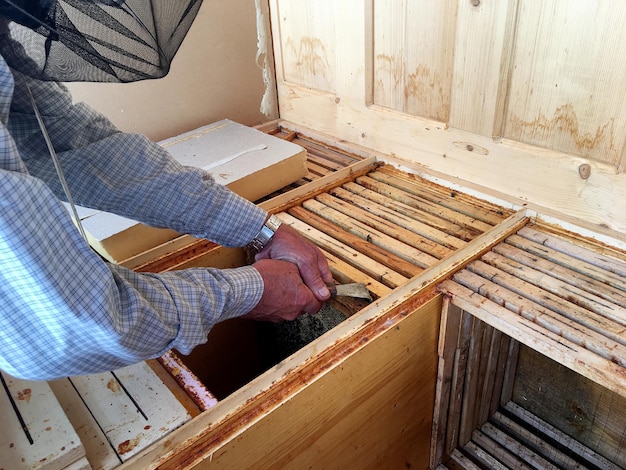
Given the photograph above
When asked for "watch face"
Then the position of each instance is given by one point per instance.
(265, 234)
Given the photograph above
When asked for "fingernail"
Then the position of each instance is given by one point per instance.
(323, 292)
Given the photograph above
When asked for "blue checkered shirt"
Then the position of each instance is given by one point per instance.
(64, 311)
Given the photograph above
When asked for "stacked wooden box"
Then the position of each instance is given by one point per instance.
(502, 408)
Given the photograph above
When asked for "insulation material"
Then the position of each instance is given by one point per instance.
(264, 59)
(251, 163)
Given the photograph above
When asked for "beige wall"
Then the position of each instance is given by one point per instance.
(214, 76)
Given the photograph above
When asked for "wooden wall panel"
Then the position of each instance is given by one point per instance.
(481, 64)
(307, 32)
(360, 396)
(567, 81)
(413, 56)
(523, 99)
(367, 413)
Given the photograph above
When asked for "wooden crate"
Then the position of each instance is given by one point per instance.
(532, 358)
(398, 234)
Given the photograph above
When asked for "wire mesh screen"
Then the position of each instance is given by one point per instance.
(95, 41)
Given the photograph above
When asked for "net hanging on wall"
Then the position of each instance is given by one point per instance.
(95, 41)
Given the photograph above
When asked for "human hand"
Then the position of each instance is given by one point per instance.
(288, 245)
(285, 297)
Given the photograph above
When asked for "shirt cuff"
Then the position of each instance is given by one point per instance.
(246, 286)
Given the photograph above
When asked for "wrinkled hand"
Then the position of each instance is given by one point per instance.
(289, 245)
(285, 297)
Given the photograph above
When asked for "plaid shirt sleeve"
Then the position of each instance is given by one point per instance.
(64, 311)
(126, 174)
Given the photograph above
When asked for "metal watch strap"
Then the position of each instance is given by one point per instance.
(265, 234)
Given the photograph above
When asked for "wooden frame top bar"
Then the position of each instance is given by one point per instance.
(566, 302)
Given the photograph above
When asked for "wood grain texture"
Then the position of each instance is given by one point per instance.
(439, 227)
(590, 414)
(396, 246)
(481, 65)
(576, 357)
(553, 101)
(357, 396)
(385, 226)
(449, 328)
(434, 89)
(413, 56)
(585, 329)
(376, 209)
(35, 432)
(369, 406)
(379, 265)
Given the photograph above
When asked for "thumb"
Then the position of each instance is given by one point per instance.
(312, 278)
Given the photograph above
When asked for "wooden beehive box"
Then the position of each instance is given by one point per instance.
(498, 115)
(388, 387)
(438, 135)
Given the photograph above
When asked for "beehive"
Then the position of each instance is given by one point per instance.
(389, 348)
(532, 357)
(465, 125)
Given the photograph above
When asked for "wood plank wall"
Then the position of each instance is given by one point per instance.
(524, 98)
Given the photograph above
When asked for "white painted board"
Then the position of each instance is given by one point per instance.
(132, 408)
(35, 432)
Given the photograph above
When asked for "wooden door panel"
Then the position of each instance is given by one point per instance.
(413, 56)
(307, 35)
(567, 78)
(523, 99)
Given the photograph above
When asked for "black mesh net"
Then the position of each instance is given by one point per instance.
(95, 41)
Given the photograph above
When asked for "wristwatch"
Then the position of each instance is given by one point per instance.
(265, 234)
